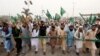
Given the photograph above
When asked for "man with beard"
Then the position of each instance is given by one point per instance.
(42, 32)
(79, 35)
(26, 39)
(34, 40)
(62, 38)
(91, 36)
(16, 32)
(53, 39)
(7, 31)
(70, 37)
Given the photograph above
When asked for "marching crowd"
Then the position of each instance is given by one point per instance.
(61, 35)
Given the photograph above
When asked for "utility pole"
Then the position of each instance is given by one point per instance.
(73, 7)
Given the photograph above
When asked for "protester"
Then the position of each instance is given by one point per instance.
(70, 37)
(6, 33)
(98, 35)
(79, 35)
(53, 38)
(16, 32)
(57, 33)
(35, 39)
(42, 32)
(25, 37)
(90, 44)
(57, 26)
(1, 28)
(62, 38)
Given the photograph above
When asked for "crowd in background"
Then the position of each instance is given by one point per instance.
(56, 34)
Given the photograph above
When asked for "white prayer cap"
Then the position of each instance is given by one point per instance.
(77, 24)
(80, 26)
(70, 24)
(99, 23)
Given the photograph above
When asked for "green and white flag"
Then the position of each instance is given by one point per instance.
(71, 20)
(62, 11)
(48, 15)
(57, 16)
(92, 19)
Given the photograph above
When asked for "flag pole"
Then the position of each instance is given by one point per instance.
(73, 8)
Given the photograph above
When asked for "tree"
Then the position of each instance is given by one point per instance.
(26, 12)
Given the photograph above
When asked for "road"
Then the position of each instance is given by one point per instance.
(58, 52)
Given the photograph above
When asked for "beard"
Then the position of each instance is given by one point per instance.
(53, 29)
(93, 29)
(80, 30)
(71, 29)
(62, 28)
(0, 25)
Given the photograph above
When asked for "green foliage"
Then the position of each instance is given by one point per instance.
(19, 16)
(13, 19)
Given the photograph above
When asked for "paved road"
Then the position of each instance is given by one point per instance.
(58, 52)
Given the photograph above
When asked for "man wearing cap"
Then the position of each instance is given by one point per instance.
(70, 37)
(34, 39)
(79, 35)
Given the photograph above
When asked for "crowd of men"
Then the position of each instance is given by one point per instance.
(61, 35)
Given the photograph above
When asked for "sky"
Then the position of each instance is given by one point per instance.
(12, 7)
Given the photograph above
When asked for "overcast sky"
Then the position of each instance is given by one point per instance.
(12, 7)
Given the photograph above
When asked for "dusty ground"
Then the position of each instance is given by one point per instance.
(58, 52)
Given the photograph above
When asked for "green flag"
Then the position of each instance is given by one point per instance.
(71, 20)
(57, 16)
(90, 19)
(62, 11)
(48, 15)
(13, 19)
(83, 18)
(93, 19)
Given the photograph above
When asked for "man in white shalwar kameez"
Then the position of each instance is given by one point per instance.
(34, 39)
(79, 35)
